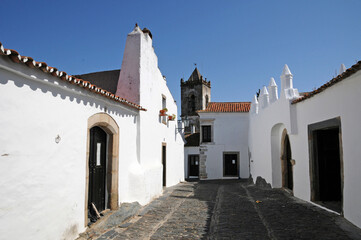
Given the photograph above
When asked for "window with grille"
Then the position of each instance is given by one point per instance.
(206, 133)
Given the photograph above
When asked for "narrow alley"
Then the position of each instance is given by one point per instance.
(231, 209)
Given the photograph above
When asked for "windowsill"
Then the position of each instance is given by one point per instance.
(207, 143)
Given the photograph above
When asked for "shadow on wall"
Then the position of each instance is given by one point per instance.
(65, 91)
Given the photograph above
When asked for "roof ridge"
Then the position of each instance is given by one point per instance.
(97, 72)
(350, 71)
(230, 102)
(227, 107)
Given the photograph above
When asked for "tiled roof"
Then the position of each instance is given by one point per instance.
(333, 81)
(192, 140)
(227, 107)
(31, 63)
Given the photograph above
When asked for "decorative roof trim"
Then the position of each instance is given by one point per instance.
(31, 63)
(352, 70)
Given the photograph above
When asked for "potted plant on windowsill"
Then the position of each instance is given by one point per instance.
(163, 112)
(171, 117)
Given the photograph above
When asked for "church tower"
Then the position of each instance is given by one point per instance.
(195, 95)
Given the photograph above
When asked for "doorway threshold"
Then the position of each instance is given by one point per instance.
(325, 207)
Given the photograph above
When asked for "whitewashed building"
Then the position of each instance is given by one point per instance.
(309, 144)
(223, 145)
(217, 137)
(66, 143)
(220, 149)
(306, 143)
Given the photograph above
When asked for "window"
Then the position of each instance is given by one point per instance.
(207, 100)
(206, 133)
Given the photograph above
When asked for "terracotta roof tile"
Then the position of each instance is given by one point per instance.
(333, 81)
(30, 62)
(227, 107)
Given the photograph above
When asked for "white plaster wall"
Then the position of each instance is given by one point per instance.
(140, 70)
(43, 183)
(230, 134)
(189, 151)
(261, 124)
(341, 100)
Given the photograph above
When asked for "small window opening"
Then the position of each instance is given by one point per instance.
(206, 133)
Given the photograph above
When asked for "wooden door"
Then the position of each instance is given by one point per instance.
(231, 165)
(289, 169)
(164, 162)
(97, 169)
(193, 164)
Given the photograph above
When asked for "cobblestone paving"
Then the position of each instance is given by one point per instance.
(231, 209)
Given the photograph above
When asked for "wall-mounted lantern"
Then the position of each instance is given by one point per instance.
(184, 121)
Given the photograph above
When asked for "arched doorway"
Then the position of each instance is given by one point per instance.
(102, 164)
(286, 157)
(276, 151)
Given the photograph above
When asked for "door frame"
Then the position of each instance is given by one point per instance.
(108, 124)
(313, 158)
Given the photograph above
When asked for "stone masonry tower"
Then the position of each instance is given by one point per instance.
(195, 95)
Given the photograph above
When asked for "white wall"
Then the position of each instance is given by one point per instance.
(340, 100)
(343, 100)
(140, 71)
(43, 183)
(230, 134)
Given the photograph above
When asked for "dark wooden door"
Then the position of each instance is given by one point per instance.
(193, 164)
(289, 169)
(230, 165)
(164, 162)
(97, 168)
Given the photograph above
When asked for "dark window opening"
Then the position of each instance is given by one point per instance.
(206, 134)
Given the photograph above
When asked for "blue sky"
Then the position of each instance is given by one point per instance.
(237, 45)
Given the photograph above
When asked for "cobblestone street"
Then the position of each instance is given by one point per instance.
(231, 209)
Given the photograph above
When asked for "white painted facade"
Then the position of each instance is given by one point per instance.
(268, 121)
(229, 135)
(141, 81)
(43, 183)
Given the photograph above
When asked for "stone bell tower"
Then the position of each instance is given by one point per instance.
(195, 95)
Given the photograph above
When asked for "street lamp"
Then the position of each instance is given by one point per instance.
(184, 121)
